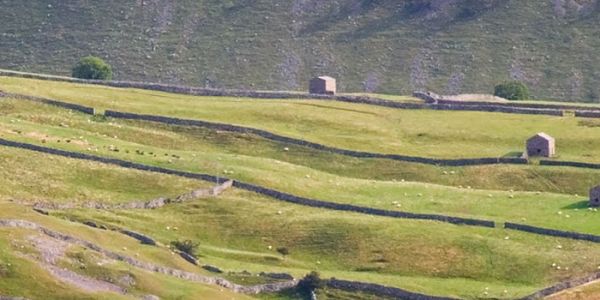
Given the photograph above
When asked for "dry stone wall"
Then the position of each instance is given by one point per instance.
(587, 114)
(283, 139)
(254, 188)
(380, 290)
(61, 104)
(574, 164)
(498, 108)
(449, 105)
(553, 232)
(279, 138)
(562, 286)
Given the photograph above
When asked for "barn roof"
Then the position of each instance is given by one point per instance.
(542, 135)
(326, 77)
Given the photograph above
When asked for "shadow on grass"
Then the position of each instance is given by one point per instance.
(577, 205)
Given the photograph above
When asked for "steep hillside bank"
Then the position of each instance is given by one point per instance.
(385, 46)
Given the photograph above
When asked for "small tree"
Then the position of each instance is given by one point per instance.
(283, 251)
(91, 67)
(186, 246)
(512, 90)
(310, 282)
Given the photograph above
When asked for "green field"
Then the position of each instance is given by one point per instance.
(440, 134)
(239, 231)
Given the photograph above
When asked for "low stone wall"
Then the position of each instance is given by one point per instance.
(212, 269)
(489, 107)
(276, 137)
(449, 105)
(146, 240)
(187, 257)
(255, 188)
(428, 97)
(380, 290)
(289, 140)
(574, 164)
(359, 209)
(587, 113)
(553, 232)
(562, 286)
(196, 91)
(61, 104)
(283, 139)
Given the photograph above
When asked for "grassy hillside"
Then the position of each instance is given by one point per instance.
(240, 231)
(386, 46)
(237, 229)
(437, 134)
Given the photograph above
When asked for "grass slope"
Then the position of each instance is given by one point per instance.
(386, 46)
(536, 208)
(240, 230)
(359, 127)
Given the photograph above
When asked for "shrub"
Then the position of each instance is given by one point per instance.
(91, 67)
(283, 251)
(186, 246)
(310, 282)
(512, 90)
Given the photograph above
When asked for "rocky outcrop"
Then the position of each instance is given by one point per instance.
(256, 289)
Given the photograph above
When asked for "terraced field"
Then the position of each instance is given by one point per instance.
(239, 231)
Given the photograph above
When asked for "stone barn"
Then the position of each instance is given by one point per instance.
(595, 196)
(324, 85)
(541, 144)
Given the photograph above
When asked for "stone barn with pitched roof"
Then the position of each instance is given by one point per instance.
(541, 144)
(595, 196)
(324, 85)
